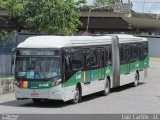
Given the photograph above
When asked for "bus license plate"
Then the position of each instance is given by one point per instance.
(34, 94)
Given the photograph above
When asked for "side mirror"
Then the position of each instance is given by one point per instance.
(12, 60)
(13, 56)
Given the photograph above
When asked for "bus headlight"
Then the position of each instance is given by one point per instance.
(55, 83)
(17, 83)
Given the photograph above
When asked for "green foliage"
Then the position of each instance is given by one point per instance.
(51, 16)
(104, 2)
(4, 35)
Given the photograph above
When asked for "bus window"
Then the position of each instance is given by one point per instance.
(121, 54)
(93, 57)
(86, 59)
(145, 48)
(141, 52)
(76, 59)
(100, 54)
(131, 52)
(102, 57)
(126, 52)
(67, 65)
(135, 51)
(108, 55)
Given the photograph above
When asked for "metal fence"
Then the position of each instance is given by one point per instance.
(5, 65)
(5, 58)
(6, 68)
(154, 47)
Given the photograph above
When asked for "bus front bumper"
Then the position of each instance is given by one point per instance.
(54, 93)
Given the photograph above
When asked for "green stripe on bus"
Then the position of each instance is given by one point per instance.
(89, 75)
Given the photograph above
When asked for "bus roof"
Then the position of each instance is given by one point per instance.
(68, 41)
(124, 38)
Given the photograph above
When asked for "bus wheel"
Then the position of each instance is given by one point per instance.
(36, 101)
(106, 91)
(136, 80)
(77, 96)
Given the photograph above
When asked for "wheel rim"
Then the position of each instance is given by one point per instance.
(76, 97)
(136, 80)
(107, 87)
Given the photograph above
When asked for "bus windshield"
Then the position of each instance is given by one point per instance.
(37, 67)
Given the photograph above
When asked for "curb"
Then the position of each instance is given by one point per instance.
(155, 59)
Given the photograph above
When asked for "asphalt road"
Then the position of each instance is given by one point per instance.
(126, 99)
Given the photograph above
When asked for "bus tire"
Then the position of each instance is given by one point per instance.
(36, 101)
(136, 80)
(106, 91)
(77, 95)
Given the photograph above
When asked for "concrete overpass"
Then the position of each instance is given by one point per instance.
(102, 20)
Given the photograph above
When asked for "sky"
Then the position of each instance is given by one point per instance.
(142, 6)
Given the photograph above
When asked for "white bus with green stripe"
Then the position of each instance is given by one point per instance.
(69, 67)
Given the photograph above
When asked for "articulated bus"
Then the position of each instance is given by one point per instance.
(69, 67)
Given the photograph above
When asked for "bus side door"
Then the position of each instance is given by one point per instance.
(67, 70)
(87, 65)
(101, 64)
(127, 59)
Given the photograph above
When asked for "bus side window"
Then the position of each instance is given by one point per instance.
(76, 59)
(145, 49)
(121, 55)
(86, 59)
(99, 57)
(131, 52)
(107, 55)
(110, 56)
(67, 65)
(126, 52)
(135, 51)
(93, 57)
(141, 52)
(102, 57)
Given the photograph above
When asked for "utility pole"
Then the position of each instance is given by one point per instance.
(89, 13)
(143, 5)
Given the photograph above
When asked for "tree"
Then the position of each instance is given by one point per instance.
(51, 16)
(4, 35)
(104, 2)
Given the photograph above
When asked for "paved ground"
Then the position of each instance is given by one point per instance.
(142, 99)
